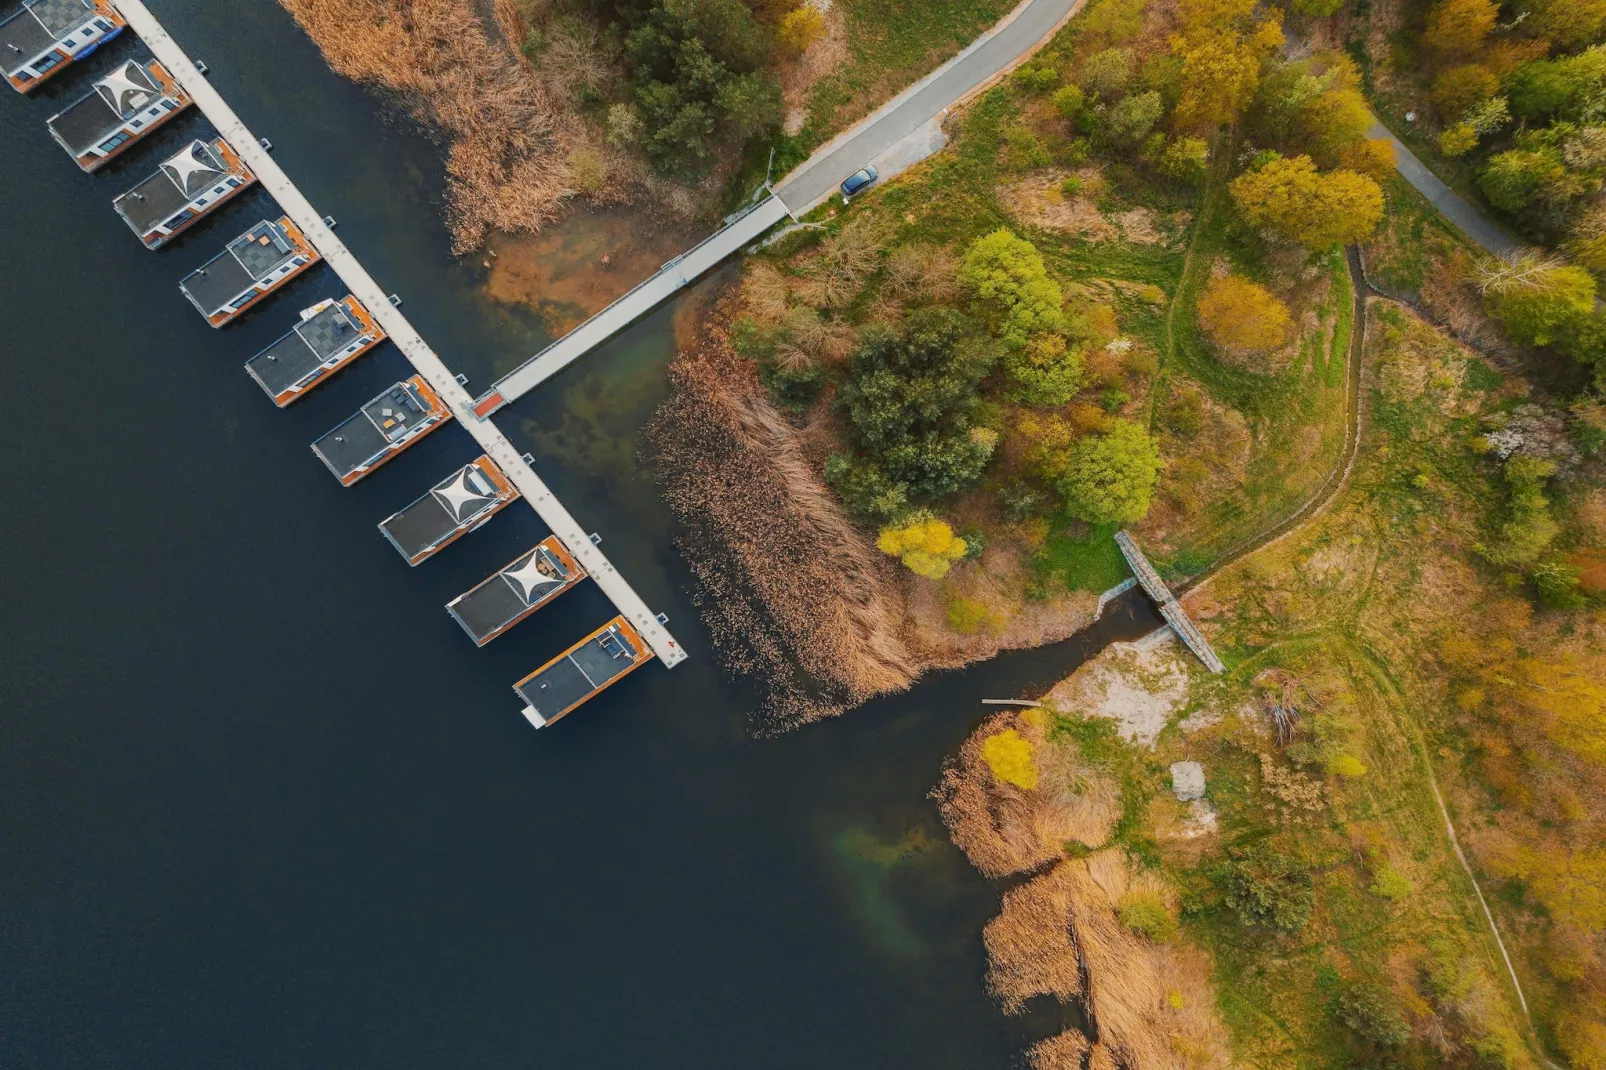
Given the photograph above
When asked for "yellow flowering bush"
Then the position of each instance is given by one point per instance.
(928, 547)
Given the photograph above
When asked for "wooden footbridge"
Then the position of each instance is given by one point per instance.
(1170, 608)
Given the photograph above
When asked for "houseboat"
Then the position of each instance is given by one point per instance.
(455, 506)
(331, 335)
(123, 107)
(524, 586)
(38, 41)
(379, 430)
(597, 662)
(253, 265)
(188, 187)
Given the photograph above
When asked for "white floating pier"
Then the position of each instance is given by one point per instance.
(254, 152)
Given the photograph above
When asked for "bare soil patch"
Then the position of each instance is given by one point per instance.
(1038, 200)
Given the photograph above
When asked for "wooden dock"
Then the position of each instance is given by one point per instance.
(1170, 608)
(358, 282)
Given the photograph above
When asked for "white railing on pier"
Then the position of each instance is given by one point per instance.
(311, 223)
(643, 298)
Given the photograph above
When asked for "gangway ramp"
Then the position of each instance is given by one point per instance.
(412, 345)
(1170, 608)
(668, 280)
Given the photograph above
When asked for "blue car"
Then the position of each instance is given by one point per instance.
(859, 181)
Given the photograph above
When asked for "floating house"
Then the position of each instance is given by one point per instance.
(595, 663)
(379, 430)
(455, 506)
(331, 335)
(253, 265)
(188, 187)
(38, 41)
(524, 586)
(123, 107)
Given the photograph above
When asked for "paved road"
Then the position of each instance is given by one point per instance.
(1449, 204)
(817, 178)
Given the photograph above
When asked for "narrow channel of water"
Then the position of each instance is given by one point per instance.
(261, 803)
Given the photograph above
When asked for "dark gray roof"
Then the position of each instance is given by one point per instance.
(248, 258)
(453, 503)
(198, 167)
(299, 353)
(577, 675)
(364, 436)
(36, 26)
(501, 599)
(94, 116)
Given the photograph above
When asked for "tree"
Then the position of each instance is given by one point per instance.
(1107, 73)
(1537, 298)
(1219, 76)
(1587, 243)
(912, 399)
(1109, 478)
(1458, 140)
(1567, 24)
(1012, 284)
(1044, 372)
(1265, 887)
(1514, 179)
(1372, 1011)
(1240, 316)
(749, 103)
(927, 546)
(1528, 528)
(797, 30)
(1458, 88)
(1373, 157)
(1067, 101)
(1012, 758)
(1316, 210)
(1571, 88)
(1459, 27)
(1185, 159)
(1133, 118)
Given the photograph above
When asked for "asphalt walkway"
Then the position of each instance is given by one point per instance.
(1450, 205)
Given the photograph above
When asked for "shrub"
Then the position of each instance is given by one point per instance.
(865, 488)
(1037, 78)
(1108, 72)
(1390, 883)
(927, 546)
(967, 616)
(1458, 88)
(1109, 478)
(1347, 766)
(1537, 300)
(1010, 280)
(623, 126)
(1044, 373)
(1265, 887)
(1240, 316)
(1372, 1011)
(1146, 913)
(1528, 528)
(1012, 758)
(1067, 101)
(1458, 140)
(1133, 118)
(798, 29)
(1185, 159)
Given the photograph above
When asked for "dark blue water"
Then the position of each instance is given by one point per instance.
(261, 802)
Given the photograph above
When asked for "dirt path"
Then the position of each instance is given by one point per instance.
(486, 10)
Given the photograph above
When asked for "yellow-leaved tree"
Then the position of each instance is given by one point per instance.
(927, 546)
(1240, 316)
(1314, 209)
(797, 30)
(1221, 53)
(1459, 27)
(1012, 758)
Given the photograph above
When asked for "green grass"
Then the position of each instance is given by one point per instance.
(1091, 563)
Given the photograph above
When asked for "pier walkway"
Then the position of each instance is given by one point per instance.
(407, 339)
(1170, 608)
(898, 135)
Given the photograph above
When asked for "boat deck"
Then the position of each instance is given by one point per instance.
(591, 665)
(381, 429)
(453, 507)
(266, 255)
(194, 180)
(326, 340)
(123, 107)
(513, 593)
(40, 37)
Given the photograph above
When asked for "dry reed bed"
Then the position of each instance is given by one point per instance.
(507, 166)
(793, 592)
(1149, 1006)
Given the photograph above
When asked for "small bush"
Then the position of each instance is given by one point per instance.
(1012, 758)
(1146, 913)
(969, 617)
(1068, 101)
(1390, 883)
(1372, 1011)
(1266, 887)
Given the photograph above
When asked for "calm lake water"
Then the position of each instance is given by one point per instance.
(261, 802)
